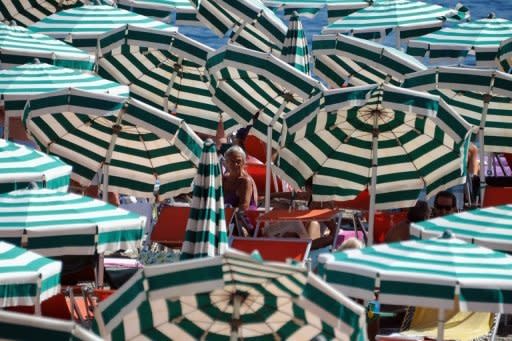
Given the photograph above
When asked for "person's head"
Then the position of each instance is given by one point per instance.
(445, 203)
(235, 159)
(419, 212)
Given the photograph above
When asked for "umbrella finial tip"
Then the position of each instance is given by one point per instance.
(256, 256)
(447, 234)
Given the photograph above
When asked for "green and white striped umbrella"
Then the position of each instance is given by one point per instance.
(163, 9)
(26, 278)
(490, 227)
(336, 9)
(504, 56)
(406, 17)
(19, 45)
(82, 26)
(19, 83)
(26, 13)
(425, 273)
(206, 234)
(295, 48)
(53, 223)
(340, 59)
(482, 97)
(165, 70)
(233, 296)
(394, 141)
(452, 44)
(20, 165)
(16, 326)
(258, 88)
(250, 23)
(133, 149)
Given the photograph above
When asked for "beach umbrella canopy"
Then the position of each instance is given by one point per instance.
(26, 278)
(504, 55)
(185, 13)
(407, 18)
(336, 9)
(166, 70)
(53, 223)
(26, 14)
(490, 227)
(131, 144)
(82, 26)
(295, 48)
(426, 273)
(16, 326)
(21, 165)
(394, 141)
(233, 296)
(19, 45)
(452, 44)
(206, 234)
(250, 22)
(258, 88)
(482, 97)
(341, 60)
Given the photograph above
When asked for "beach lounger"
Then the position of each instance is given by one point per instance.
(497, 195)
(171, 225)
(275, 249)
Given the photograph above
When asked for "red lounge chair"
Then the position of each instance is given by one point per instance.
(495, 196)
(171, 225)
(275, 249)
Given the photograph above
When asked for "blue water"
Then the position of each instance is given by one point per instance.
(479, 9)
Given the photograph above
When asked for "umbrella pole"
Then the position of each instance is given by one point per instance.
(37, 303)
(116, 129)
(487, 99)
(440, 325)
(371, 215)
(269, 153)
(235, 319)
(177, 68)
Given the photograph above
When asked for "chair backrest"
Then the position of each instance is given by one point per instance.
(275, 249)
(495, 196)
(171, 225)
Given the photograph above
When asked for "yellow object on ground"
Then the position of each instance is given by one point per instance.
(458, 325)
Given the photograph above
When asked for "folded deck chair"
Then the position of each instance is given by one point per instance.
(497, 195)
(275, 249)
(420, 323)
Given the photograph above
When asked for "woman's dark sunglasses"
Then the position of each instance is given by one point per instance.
(443, 207)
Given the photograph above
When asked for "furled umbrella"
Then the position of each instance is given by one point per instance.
(185, 13)
(394, 141)
(342, 60)
(20, 83)
(132, 145)
(233, 296)
(336, 9)
(407, 18)
(27, 278)
(428, 273)
(206, 233)
(26, 13)
(250, 23)
(482, 97)
(453, 44)
(295, 48)
(258, 88)
(166, 70)
(489, 227)
(21, 165)
(19, 45)
(16, 326)
(82, 26)
(504, 56)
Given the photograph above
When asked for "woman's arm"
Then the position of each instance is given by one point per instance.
(244, 192)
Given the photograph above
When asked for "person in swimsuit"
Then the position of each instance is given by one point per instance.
(239, 189)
